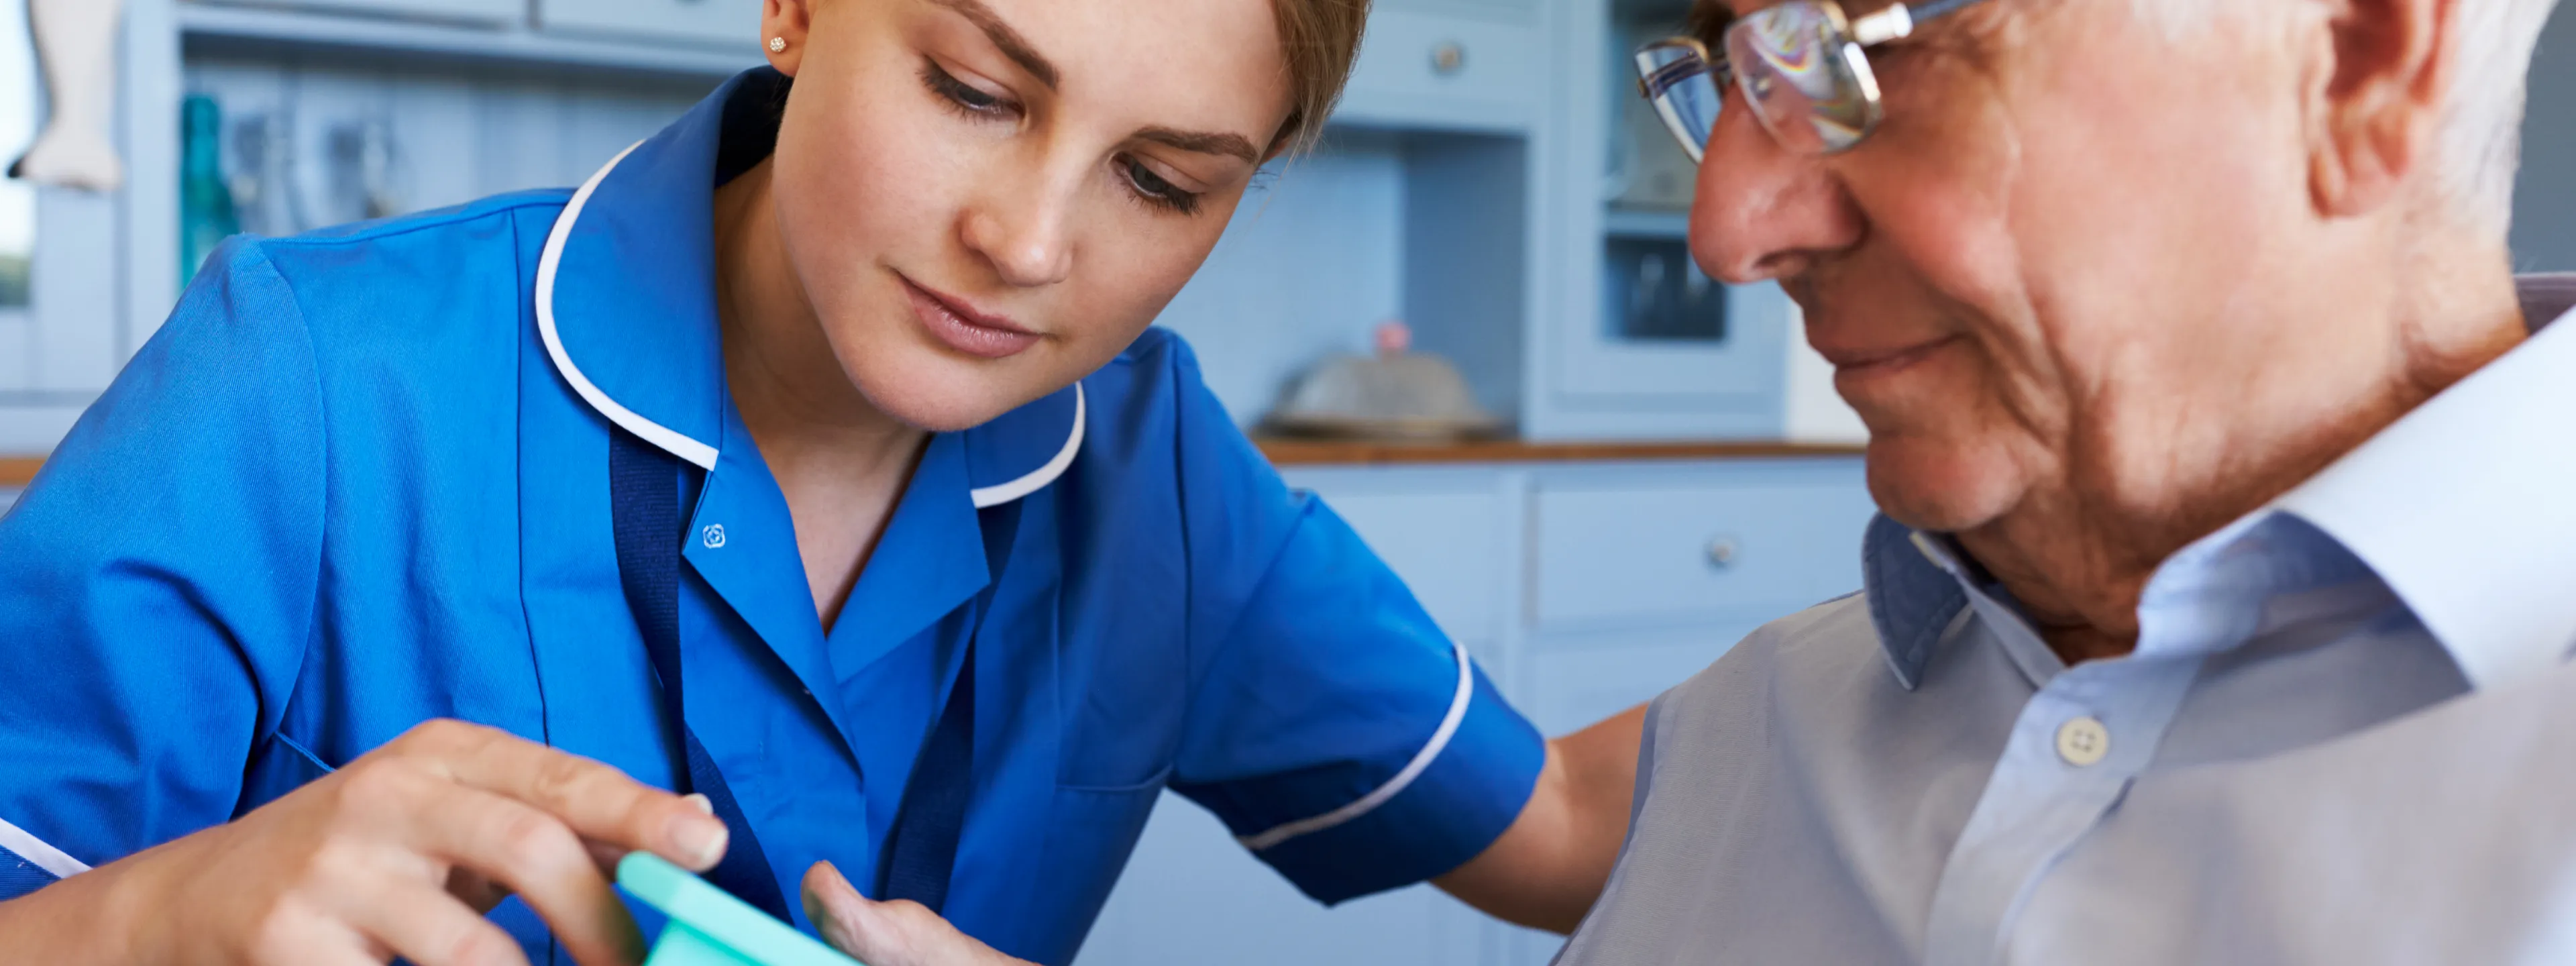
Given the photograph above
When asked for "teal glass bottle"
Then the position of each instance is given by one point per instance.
(206, 215)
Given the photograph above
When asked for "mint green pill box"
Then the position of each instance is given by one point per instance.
(712, 928)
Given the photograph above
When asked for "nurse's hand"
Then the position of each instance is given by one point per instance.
(900, 933)
(403, 851)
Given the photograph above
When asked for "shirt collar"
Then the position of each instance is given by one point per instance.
(2462, 506)
(2459, 507)
(625, 299)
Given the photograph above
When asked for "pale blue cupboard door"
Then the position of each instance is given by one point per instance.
(1695, 548)
(1192, 897)
(731, 23)
(1427, 71)
(482, 11)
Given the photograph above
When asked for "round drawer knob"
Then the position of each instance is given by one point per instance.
(1448, 58)
(1722, 552)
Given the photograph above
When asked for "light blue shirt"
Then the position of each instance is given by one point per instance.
(2347, 734)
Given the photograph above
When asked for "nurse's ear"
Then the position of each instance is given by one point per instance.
(784, 27)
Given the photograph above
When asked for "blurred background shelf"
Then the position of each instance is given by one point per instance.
(1289, 452)
(1631, 223)
(467, 44)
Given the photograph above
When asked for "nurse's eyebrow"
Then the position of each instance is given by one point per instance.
(1203, 142)
(1012, 44)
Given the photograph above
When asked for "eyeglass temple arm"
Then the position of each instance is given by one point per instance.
(1899, 20)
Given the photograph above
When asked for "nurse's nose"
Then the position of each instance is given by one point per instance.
(1763, 212)
(1023, 227)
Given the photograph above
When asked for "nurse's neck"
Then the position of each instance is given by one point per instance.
(841, 462)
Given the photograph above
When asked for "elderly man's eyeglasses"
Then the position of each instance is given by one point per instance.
(1800, 65)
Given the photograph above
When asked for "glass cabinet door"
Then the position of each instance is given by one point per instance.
(63, 294)
(1651, 347)
(18, 110)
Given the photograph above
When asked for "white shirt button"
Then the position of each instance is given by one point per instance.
(2083, 741)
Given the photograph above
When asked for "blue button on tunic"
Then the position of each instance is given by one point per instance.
(359, 481)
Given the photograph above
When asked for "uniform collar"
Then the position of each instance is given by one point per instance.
(2459, 507)
(625, 299)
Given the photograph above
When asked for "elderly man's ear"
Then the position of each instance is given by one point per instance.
(2377, 74)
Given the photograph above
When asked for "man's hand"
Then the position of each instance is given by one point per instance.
(900, 933)
(399, 854)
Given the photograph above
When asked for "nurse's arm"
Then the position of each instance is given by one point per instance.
(1548, 867)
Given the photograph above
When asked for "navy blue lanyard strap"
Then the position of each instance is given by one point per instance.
(921, 849)
(644, 497)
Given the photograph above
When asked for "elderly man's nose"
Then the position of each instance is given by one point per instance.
(1761, 211)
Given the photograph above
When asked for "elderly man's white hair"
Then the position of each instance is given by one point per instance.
(2481, 140)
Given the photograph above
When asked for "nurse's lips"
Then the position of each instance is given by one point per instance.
(962, 328)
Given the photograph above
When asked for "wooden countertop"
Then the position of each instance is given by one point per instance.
(16, 471)
(1316, 452)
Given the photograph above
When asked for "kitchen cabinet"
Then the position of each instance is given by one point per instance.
(1445, 534)
(732, 23)
(1511, 11)
(1436, 71)
(1611, 552)
(483, 11)
(1575, 681)
(1636, 342)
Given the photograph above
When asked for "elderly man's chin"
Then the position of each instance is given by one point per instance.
(1943, 484)
(1943, 456)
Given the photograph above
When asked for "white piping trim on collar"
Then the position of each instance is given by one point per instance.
(1394, 786)
(1000, 493)
(27, 846)
(701, 454)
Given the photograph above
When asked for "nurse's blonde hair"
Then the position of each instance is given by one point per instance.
(1318, 39)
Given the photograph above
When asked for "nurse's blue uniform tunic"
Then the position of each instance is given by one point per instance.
(359, 481)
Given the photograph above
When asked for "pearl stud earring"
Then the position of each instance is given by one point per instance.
(777, 45)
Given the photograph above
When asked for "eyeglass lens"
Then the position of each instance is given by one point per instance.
(1795, 63)
(1797, 68)
(1685, 94)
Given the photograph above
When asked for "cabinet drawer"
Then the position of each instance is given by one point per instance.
(1446, 545)
(1191, 895)
(731, 23)
(1516, 10)
(1690, 550)
(478, 11)
(1575, 683)
(1425, 69)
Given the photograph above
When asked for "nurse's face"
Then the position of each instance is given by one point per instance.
(986, 200)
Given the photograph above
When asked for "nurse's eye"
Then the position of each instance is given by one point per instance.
(965, 98)
(1153, 190)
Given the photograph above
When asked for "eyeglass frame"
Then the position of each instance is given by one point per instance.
(1893, 23)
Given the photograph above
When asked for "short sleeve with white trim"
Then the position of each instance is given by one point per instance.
(1337, 732)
